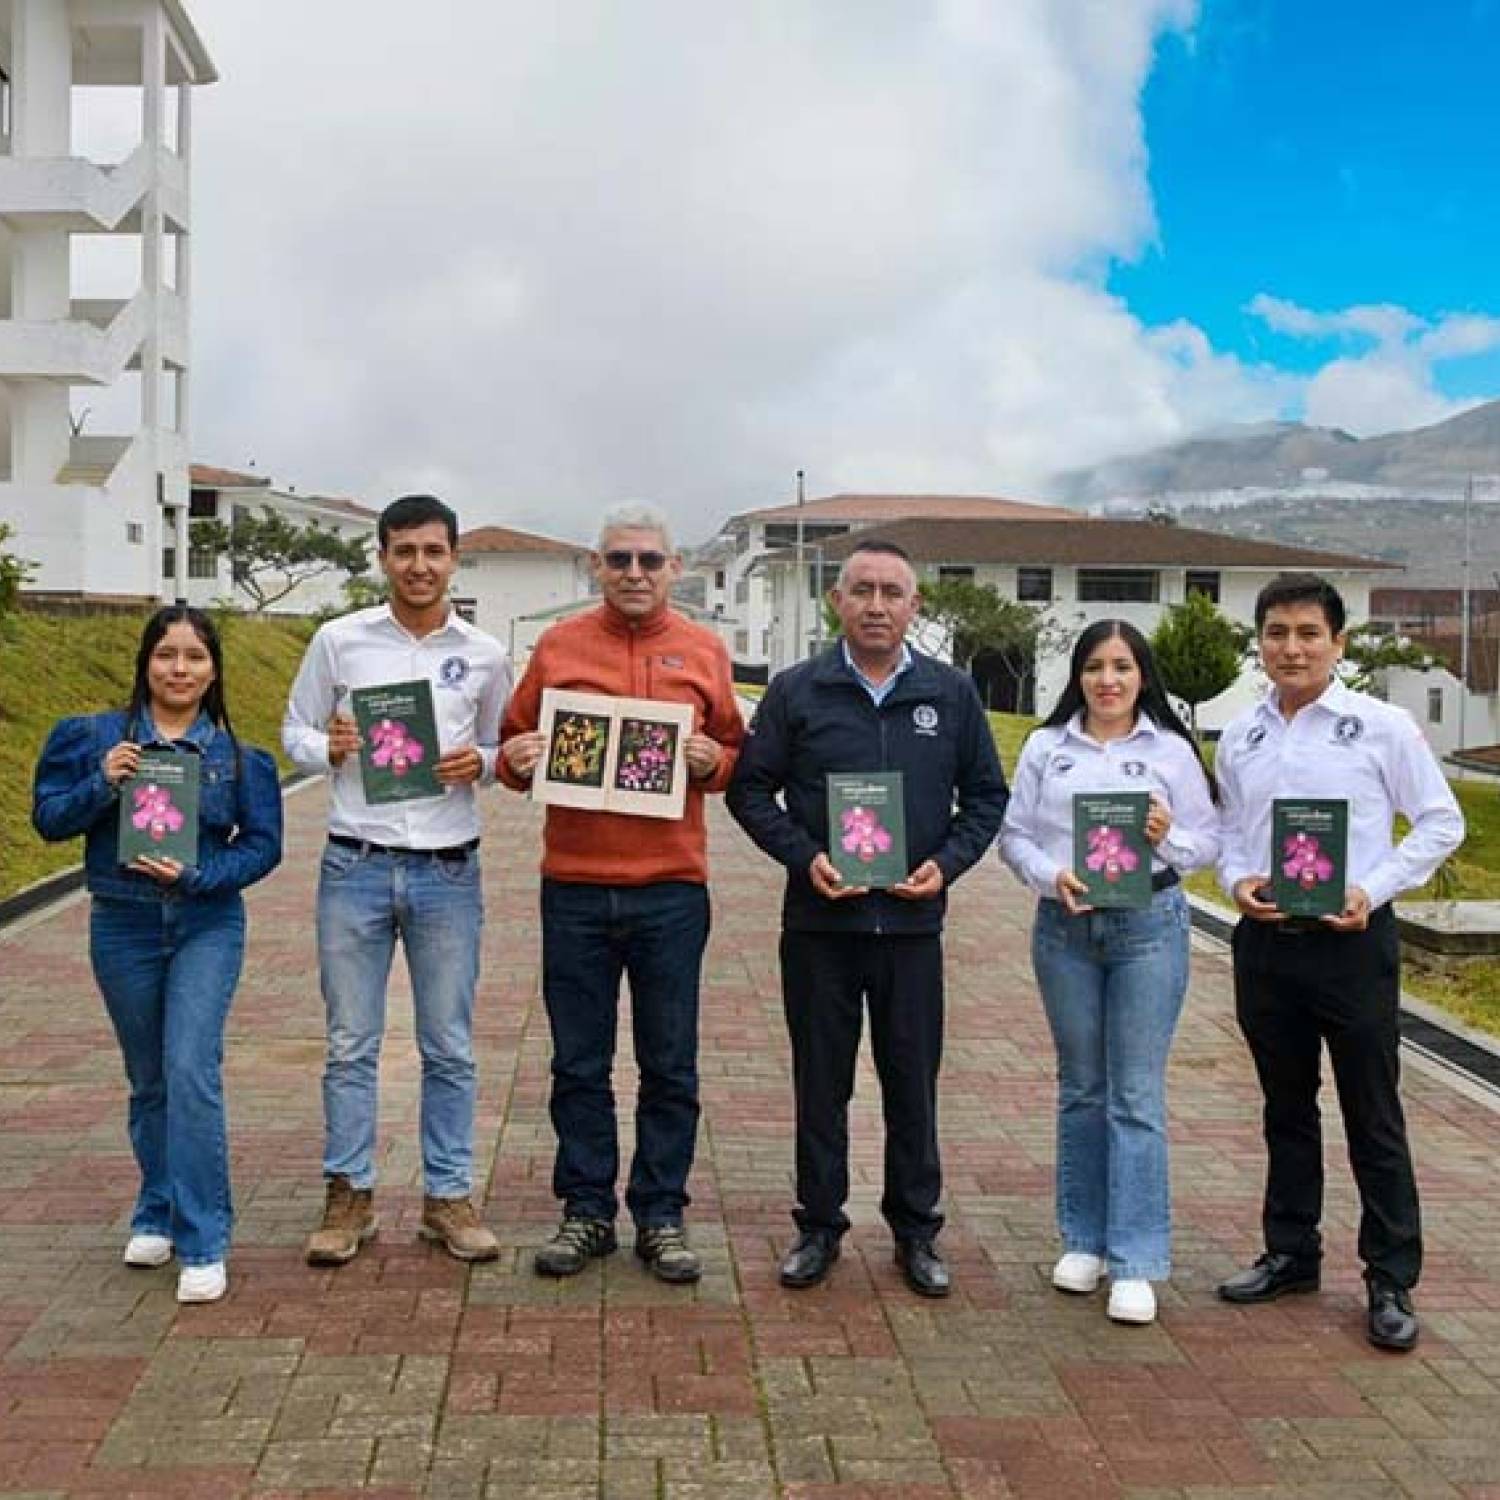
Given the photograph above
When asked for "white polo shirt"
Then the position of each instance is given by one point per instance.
(1344, 745)
(1036, 839)
(471, 682)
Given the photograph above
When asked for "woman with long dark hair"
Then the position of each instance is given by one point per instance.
(1112, 981)
(167, 940)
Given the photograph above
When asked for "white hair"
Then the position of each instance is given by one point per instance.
(636, 515)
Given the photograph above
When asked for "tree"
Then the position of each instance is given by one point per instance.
(1369, 650)
(1198, 651)
(978, 622)
(14, 571)
(269, 555)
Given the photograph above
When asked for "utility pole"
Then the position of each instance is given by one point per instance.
(1463, 644)
(800, 577)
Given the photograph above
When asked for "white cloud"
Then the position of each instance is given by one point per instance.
(1391, 383)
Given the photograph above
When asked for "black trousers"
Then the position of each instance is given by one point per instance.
(826, 981)
(1295, 991)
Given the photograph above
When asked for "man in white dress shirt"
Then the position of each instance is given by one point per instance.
(1301, 983)
(402, 869)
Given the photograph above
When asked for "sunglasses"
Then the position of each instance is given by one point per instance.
(620, 560)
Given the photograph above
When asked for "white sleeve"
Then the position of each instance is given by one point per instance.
(1018, 845)
(1420, 793)
(1235, 862)
(1194, 838)
(312, 702)
(491, 710)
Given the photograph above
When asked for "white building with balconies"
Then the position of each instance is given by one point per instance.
(96, 512)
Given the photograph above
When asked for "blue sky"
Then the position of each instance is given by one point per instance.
(1328, 153)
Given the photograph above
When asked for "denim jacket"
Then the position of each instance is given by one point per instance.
(239, 807)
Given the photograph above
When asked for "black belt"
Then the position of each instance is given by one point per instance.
(369, 846)
(1164, 880)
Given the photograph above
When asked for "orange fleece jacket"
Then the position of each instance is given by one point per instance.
(666, 657)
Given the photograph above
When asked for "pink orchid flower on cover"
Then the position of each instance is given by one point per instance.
(864, 836)
(394, 747)
(155, 812)
(1109, 854)
(1303, 860)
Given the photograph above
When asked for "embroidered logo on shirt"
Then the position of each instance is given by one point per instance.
(925, 717)
(1060, 765)
(1348, 728)
(1134, 768)
(453, 671)
(1255, 737)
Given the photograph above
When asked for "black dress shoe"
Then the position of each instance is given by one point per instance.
(1272, 1276)
(925, 1270)
(1392, 1324)
(810, 1260)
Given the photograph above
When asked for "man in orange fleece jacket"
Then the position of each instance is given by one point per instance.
(626, 895)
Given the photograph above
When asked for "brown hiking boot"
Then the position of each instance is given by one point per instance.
(348, 1221)
(453, 1224)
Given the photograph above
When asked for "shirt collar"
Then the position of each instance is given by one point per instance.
(1334, 699)
(903, 664)
(1145, 726)
(198, 735)
(454, 622)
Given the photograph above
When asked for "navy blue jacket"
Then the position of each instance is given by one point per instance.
(816, 718)
(239, 808)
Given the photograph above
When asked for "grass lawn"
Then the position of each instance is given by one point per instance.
(52, 666)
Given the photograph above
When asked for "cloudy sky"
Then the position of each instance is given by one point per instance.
(542, 255)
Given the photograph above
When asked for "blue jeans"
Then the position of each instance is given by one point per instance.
(366, 899)
(1113, 984)
(167, 971)
(591, 936)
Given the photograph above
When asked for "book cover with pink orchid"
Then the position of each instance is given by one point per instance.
(1309, 855)
(400, 750)
(867, 828)
(618, 755)
(1111, 853)
(159, 808)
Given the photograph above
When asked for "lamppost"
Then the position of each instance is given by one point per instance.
(801, 584)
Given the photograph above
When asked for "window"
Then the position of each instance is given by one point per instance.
(1118, 585)
(203, 562)
(953, 573)
(169, 562)
(719, 579)
(1435, 705)
(135, 533)
(820, 578)
(203, 505)
(1203, 581)
(1034, 585)
(742, 642)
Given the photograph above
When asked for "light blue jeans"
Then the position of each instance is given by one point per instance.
(365, 901)
(168, 970)
(1113, 983)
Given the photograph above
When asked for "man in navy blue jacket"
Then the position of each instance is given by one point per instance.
(870, 703)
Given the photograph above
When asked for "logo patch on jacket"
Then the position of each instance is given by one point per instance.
(924, 718)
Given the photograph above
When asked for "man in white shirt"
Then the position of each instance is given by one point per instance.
(407, 869)
(1300, 983)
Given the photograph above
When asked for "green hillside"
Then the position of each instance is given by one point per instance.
(54, 665)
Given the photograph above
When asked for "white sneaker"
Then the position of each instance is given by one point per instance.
(1077, 1271)
(148, 1250)
(202, 1283)
(1132, 1302)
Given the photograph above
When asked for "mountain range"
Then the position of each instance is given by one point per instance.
(1435, 460)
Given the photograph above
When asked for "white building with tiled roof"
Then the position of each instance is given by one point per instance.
(95, 511)
(505, 575)
(737, 589)
(1079, 570)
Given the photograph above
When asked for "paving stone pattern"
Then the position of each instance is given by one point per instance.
(407, 1374)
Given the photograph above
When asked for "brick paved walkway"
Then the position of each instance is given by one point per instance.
(406, 1374)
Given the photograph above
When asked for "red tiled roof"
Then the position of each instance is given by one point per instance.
(1093, 543)
(205, 476)
(500, 539)
(348, 507)
(876, 508)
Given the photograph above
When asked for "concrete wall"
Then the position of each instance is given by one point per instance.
(1437, 701)
(506, 585)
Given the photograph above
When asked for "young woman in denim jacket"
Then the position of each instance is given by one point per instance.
(167, 942)
(1112, 981)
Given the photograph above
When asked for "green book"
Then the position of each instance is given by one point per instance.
(1309, 855)
(867, 828)
(159, 808)
(1111, 853)
(398, 759)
